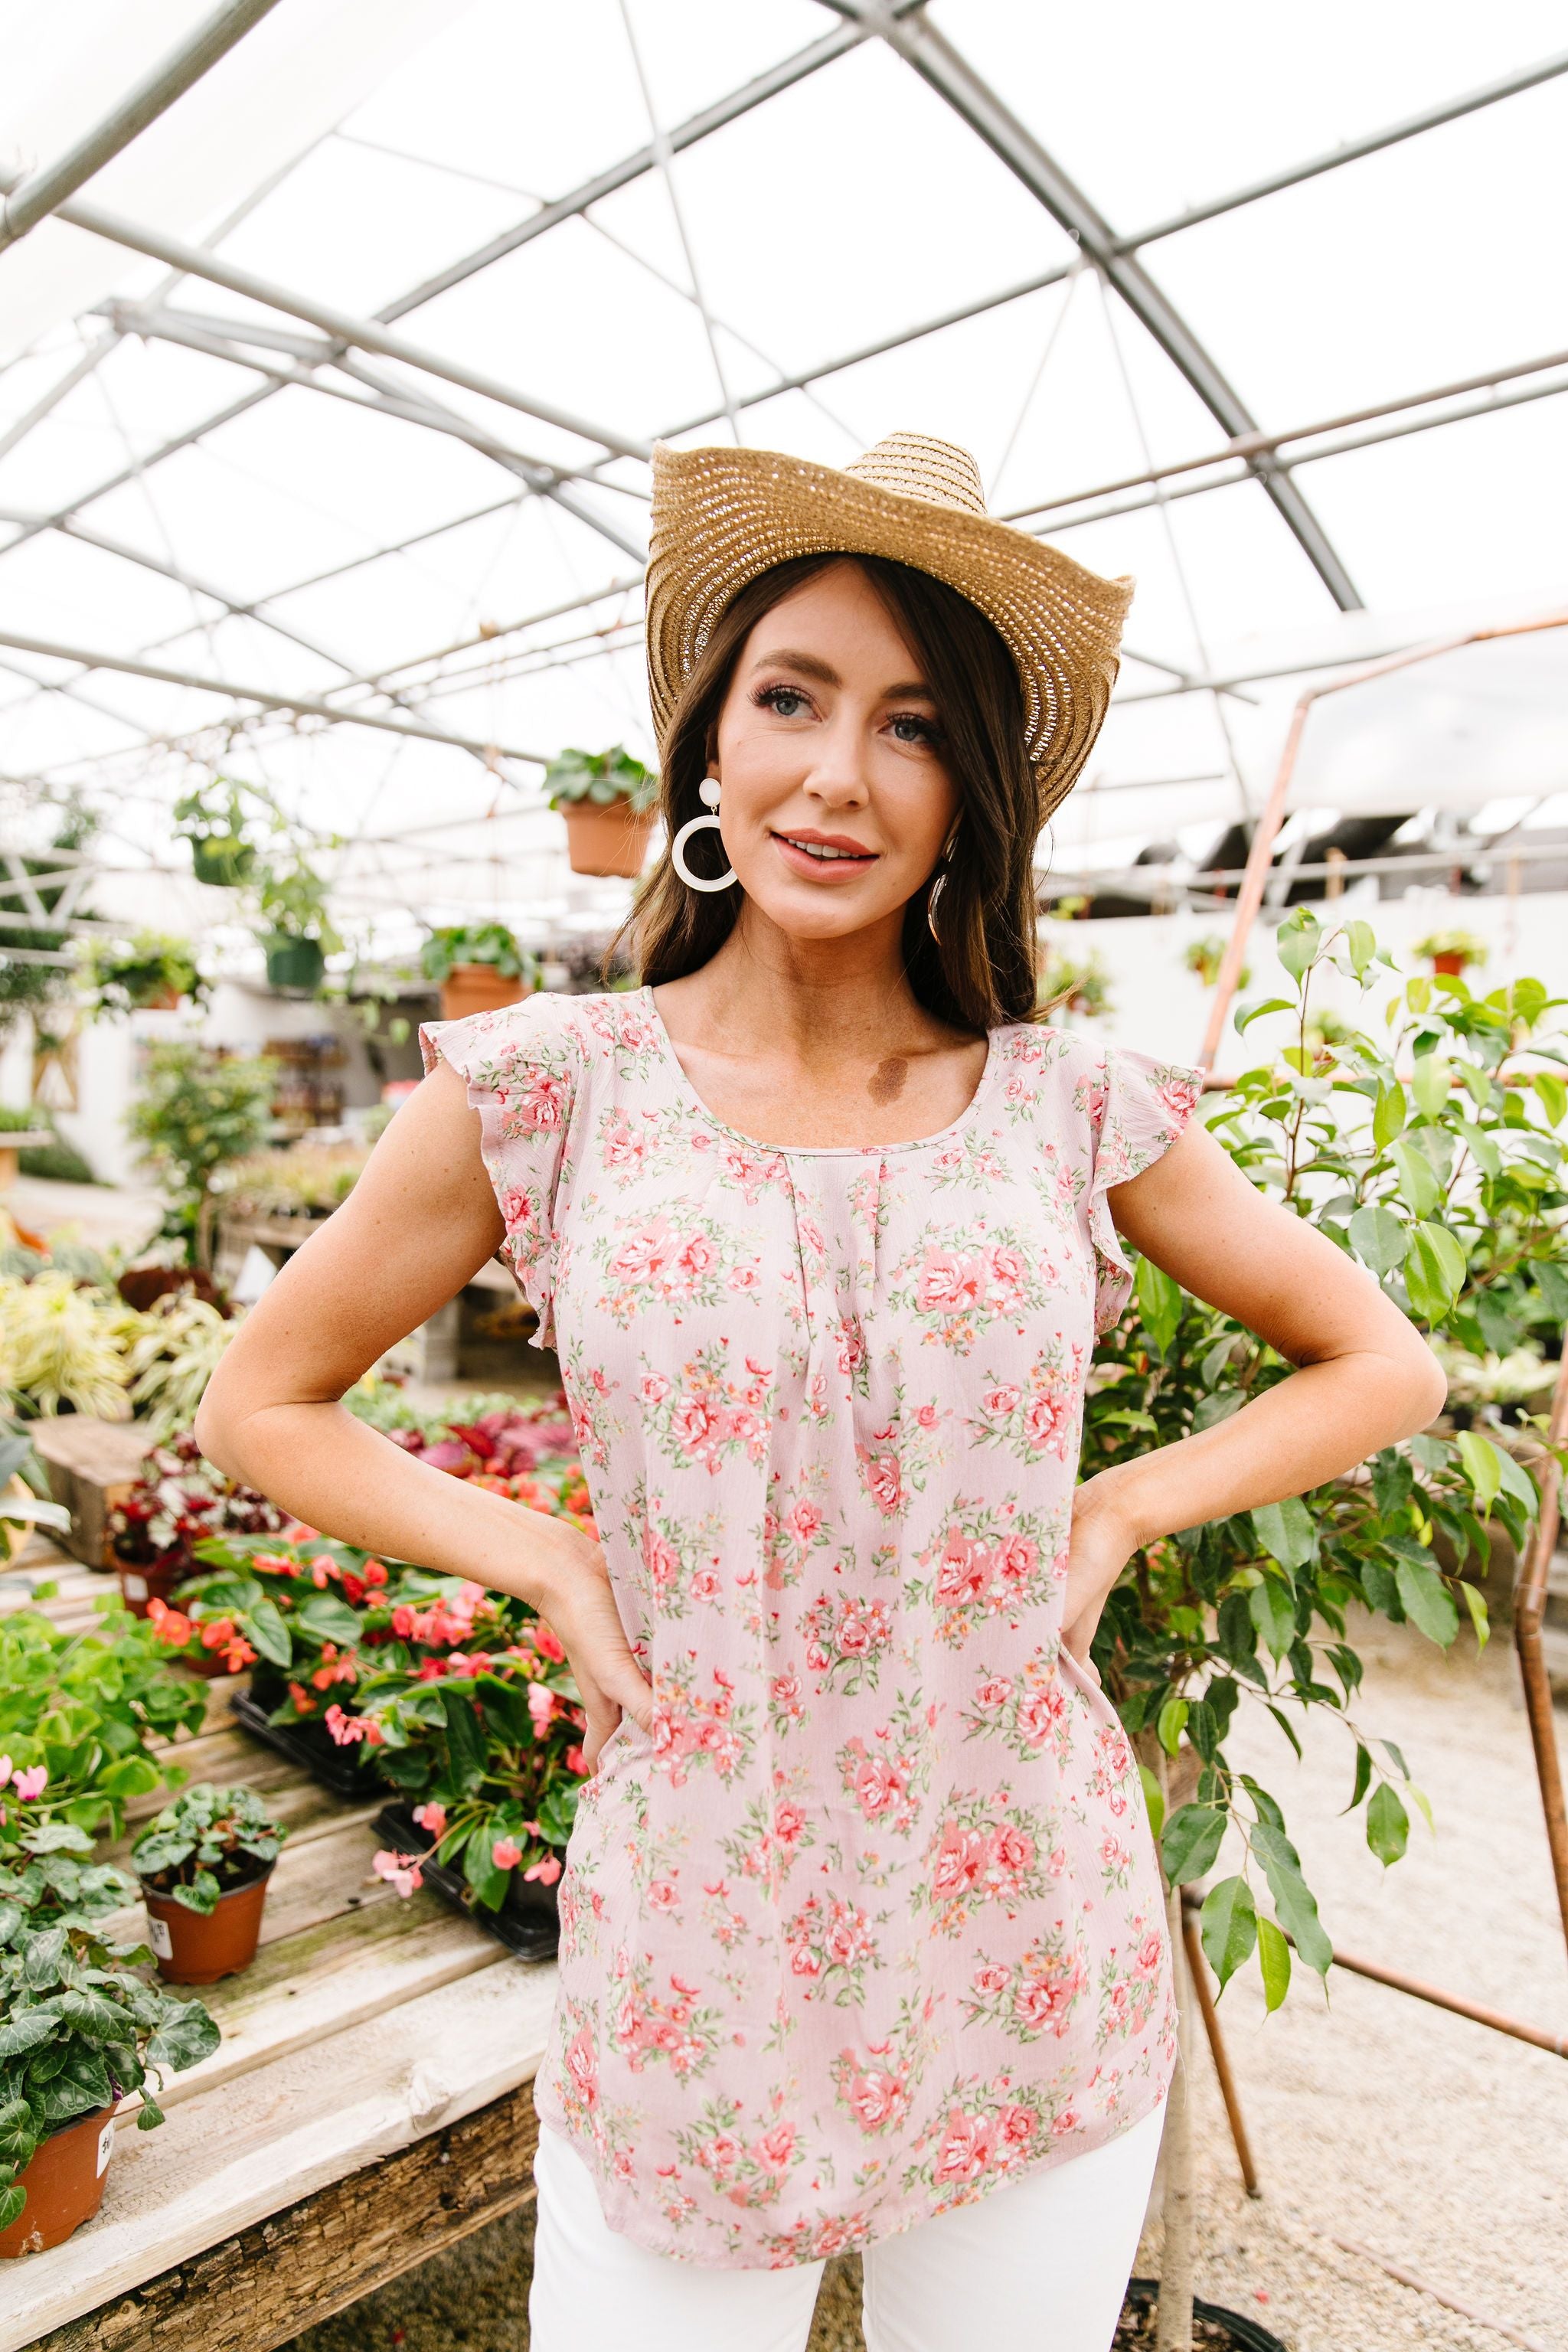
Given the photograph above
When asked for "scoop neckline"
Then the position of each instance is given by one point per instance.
(816, 1150)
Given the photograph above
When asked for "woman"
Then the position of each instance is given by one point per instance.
(862, 1932)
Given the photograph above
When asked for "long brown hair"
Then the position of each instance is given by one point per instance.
(982, 973)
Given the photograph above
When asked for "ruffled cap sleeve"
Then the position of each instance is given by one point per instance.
(1137, 1108)
(522, 1066)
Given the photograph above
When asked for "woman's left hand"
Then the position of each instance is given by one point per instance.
(1103, 1542)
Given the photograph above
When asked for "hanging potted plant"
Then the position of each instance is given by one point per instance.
(149, 973)
(205, 1863)
(478, 967)
(295, 928)
(81, 2031)
(214, 820)
(608, 800)
(1451, 951)
(1206, 956)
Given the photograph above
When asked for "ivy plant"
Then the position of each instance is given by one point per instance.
(1434, 1153)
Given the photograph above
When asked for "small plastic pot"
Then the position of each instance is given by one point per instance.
(607, 837)
(193, 1950)
(64, 2184)
(478, 988)
(143, 1581)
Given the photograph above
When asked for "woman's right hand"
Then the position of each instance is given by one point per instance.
(577, 1601)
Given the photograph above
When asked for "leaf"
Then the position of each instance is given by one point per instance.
(464, 1739)
(1387, 1824)
(1418, 1185)
(1293, 1900)
(90, 2014)
(27, 2030)
(1160, 1302)
(1381, 1589)
(1171, 1725)
(1363, 1776)
(1362, 941)
(1193, 1838)
(1434, 1271)
(1274, 1959)
(1479, 1618)
(1286, 1727)
(13, 2204)
(1245, 1016)
(1228, 1927)
(1153, 1799)
(1297, 942)
(327, 1619)
(1388, 1115)
(1553, 1095)
(1378, 1239)
(1483, 1467)
(1286, 1531)
(1486, 1156)
(1268, 1809)
(1428, 1602)
(270, 1635)
(186, 2036)
(1274, 1613)
(1430, 1083)
(149, 2116)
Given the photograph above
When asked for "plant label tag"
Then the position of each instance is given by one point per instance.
(158, 1935)
(135, 1588)
(106, 2144)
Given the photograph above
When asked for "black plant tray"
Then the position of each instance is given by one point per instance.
(527, 1922)
(309, 1744)
(1224, 2327)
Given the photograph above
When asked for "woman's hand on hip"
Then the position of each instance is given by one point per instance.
(1103, 1540)
(578, 1604)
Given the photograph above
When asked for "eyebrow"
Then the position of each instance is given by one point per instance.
(813, 665)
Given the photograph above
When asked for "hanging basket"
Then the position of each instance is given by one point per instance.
(294, 966)
(222, 860)
(478, 988)
(607, 838)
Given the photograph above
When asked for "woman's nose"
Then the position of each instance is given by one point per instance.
(838, 769)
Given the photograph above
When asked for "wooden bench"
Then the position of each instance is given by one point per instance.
(371, 2101)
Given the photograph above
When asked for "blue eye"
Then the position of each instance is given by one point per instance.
(776, 697)
(925, 730)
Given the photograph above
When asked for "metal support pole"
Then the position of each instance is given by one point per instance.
(1529, 1610)
(30, 200)
(1197, 1977)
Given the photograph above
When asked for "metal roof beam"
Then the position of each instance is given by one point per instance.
(361, 334)
(303, 706)
(941, 67)
(31, 198)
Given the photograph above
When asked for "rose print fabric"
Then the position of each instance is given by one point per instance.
(872, 1923)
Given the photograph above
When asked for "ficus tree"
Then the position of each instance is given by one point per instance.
(1428, 1143)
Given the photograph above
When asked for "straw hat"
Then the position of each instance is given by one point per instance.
(723, 515)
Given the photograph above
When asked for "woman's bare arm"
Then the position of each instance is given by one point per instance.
(421, 1219)
(1366, 1377)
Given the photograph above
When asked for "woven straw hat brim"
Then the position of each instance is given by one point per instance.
(721, 516)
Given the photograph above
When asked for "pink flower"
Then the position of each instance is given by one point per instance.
(402, 1869)
(1000, 1401)
(506, 1854)
(655, 1388)
(31, 1783)
(1178, 1097)
(543, 1706)
(695, 1422)
(1011, 1848)
(743, 1277)
(995, 1692)
(431, 1817)
(965, 2149)
(776, 2148)
(1046, 1419)
(947, 1283)
(547, 1871)
(875, 2098)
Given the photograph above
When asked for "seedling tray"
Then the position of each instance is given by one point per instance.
(527, 1922)
(309, 1744)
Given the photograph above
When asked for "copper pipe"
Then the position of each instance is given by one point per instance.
(1198, 1977)
(1259, 855)
(1557, 2043)
(1528, 1611)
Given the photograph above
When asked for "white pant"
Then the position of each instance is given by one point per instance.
(1038, 2267)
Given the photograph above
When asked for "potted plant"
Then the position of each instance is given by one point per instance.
(1206, 956)
(81, 2031)
(204, 1862)
(1072, 984)
(608, 800)
(478, 967)
(178, 1500)
(295, 928)
(198, 1109)
(150, 972)
(1451, 951)
(1452, 1195)
(215, 820)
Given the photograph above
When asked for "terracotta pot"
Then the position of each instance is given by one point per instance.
(478, 988)
(1451, 961)
(165, 1000)
(152, 1579)
(607, 837)
(64, 2184)
(197, 1951)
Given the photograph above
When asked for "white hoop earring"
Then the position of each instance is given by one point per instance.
(707, 792)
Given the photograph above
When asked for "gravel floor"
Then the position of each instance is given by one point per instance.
(1429, 2141)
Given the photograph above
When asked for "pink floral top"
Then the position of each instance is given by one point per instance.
(872, 1923)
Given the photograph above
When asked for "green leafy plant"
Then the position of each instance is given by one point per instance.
(1453, 941)
(1206, 956)
(292, 903)
(601, 778)
(196, 1111)
(1436, 1156)
(125, 974)
(79, 2029)
(487, 943)
(64, 1343)
(221, 818)
(209, 1840)
(1071, 984)
(80, 1713)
